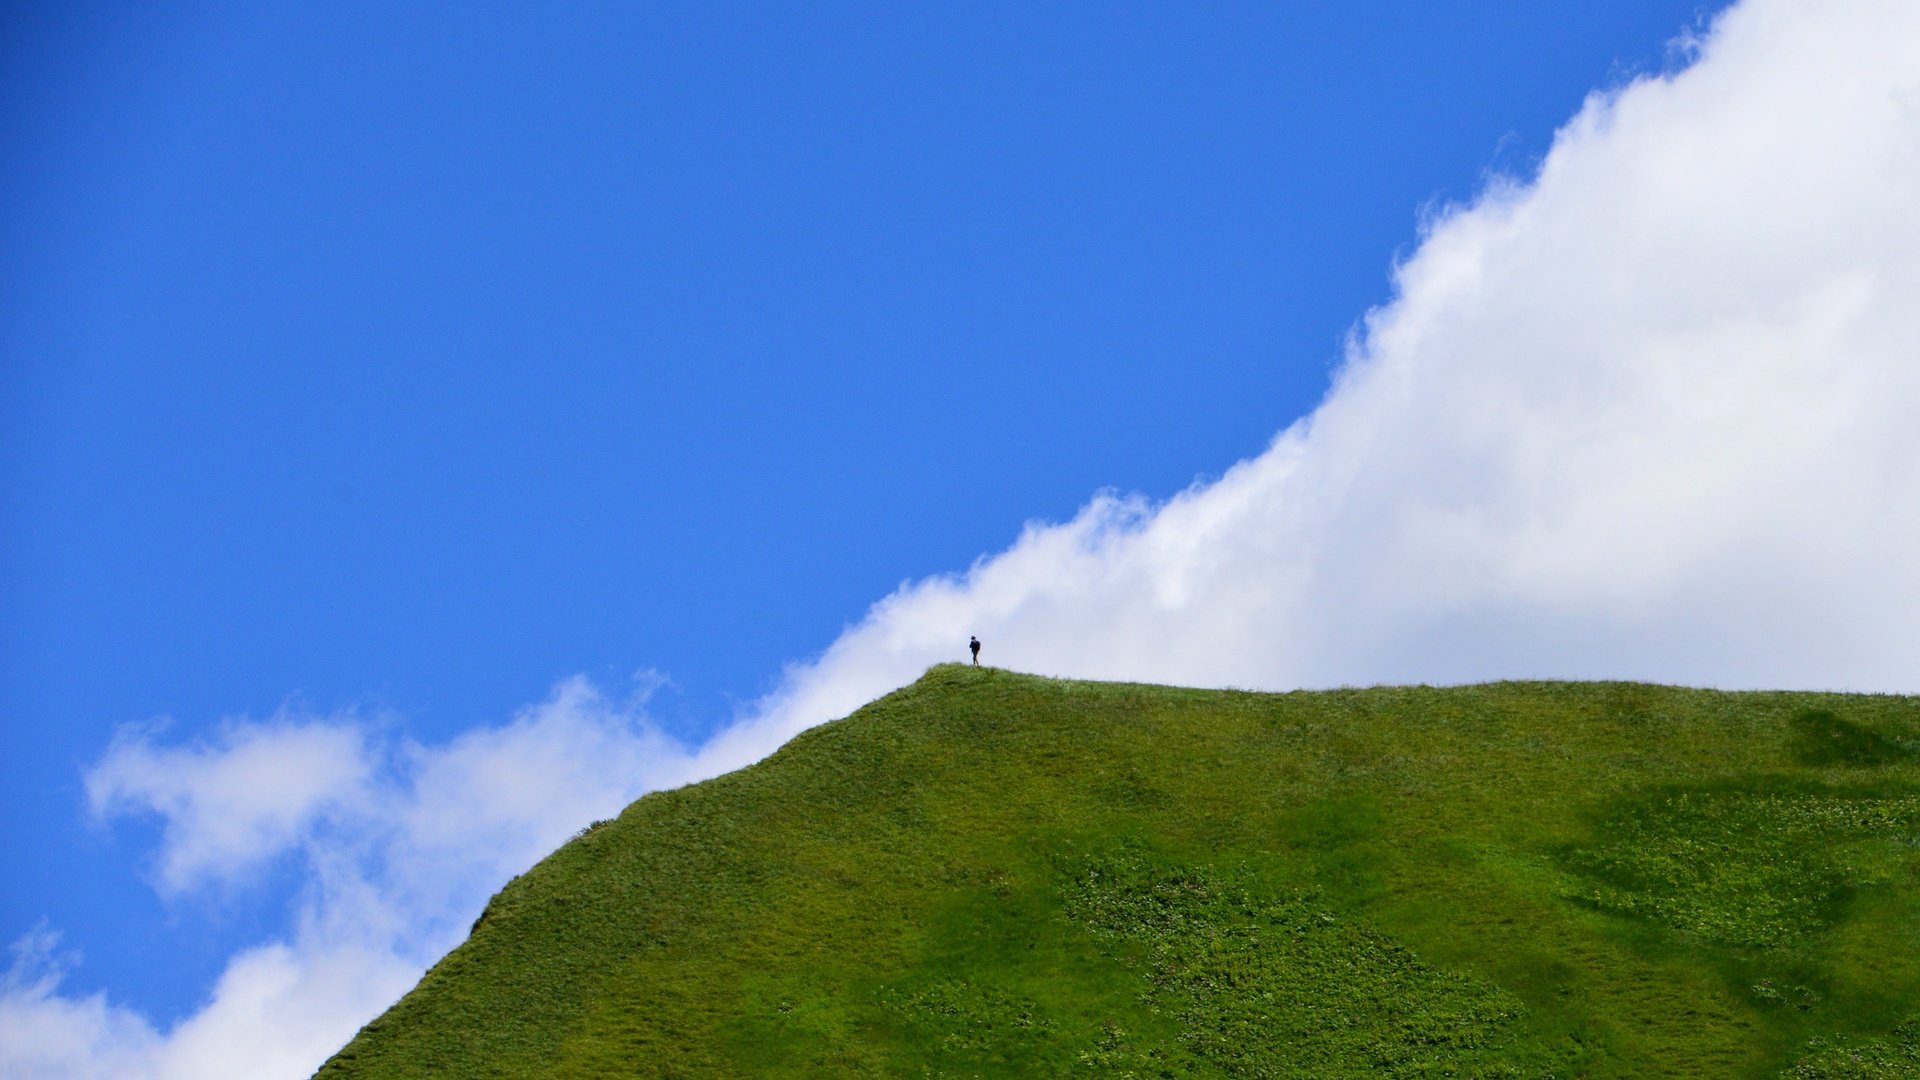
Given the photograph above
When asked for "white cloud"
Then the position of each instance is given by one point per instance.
(1647, 415)
(400, 844)
(243, 798)
(46, 1035)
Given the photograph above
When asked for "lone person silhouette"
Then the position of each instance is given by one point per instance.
(973, 646)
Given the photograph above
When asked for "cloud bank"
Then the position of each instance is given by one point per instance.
(1648, 415)
(1645, 415)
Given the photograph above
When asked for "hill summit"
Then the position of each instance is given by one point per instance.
(994, 874)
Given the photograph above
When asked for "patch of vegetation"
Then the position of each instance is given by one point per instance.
(1282, 986)
(1895, 1056)
(1760, 867)
(1821, 738)
(961, 1016)
(990, 874)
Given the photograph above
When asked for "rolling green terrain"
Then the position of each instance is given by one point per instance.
(991, 874)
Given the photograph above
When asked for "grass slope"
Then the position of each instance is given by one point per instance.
(994, 874)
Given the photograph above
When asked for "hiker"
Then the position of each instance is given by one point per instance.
(973, 646)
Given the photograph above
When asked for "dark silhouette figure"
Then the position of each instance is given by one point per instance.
(973, 646)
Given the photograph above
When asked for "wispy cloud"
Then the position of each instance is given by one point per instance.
(399, 845)
(1645, 415)
(246, 796)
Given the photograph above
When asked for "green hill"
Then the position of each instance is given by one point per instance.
(991, 874)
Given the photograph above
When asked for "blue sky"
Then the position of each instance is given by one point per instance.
(359, 360)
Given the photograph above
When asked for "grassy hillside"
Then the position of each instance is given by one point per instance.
(990, 874)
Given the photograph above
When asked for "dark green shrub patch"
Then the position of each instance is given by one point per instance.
(1895, 1056)
(1281, 985)
(1821, 738)
(1754, 867)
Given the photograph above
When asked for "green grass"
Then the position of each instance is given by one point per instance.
(991, 874)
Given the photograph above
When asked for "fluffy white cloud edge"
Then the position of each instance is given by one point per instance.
(1647, 415)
